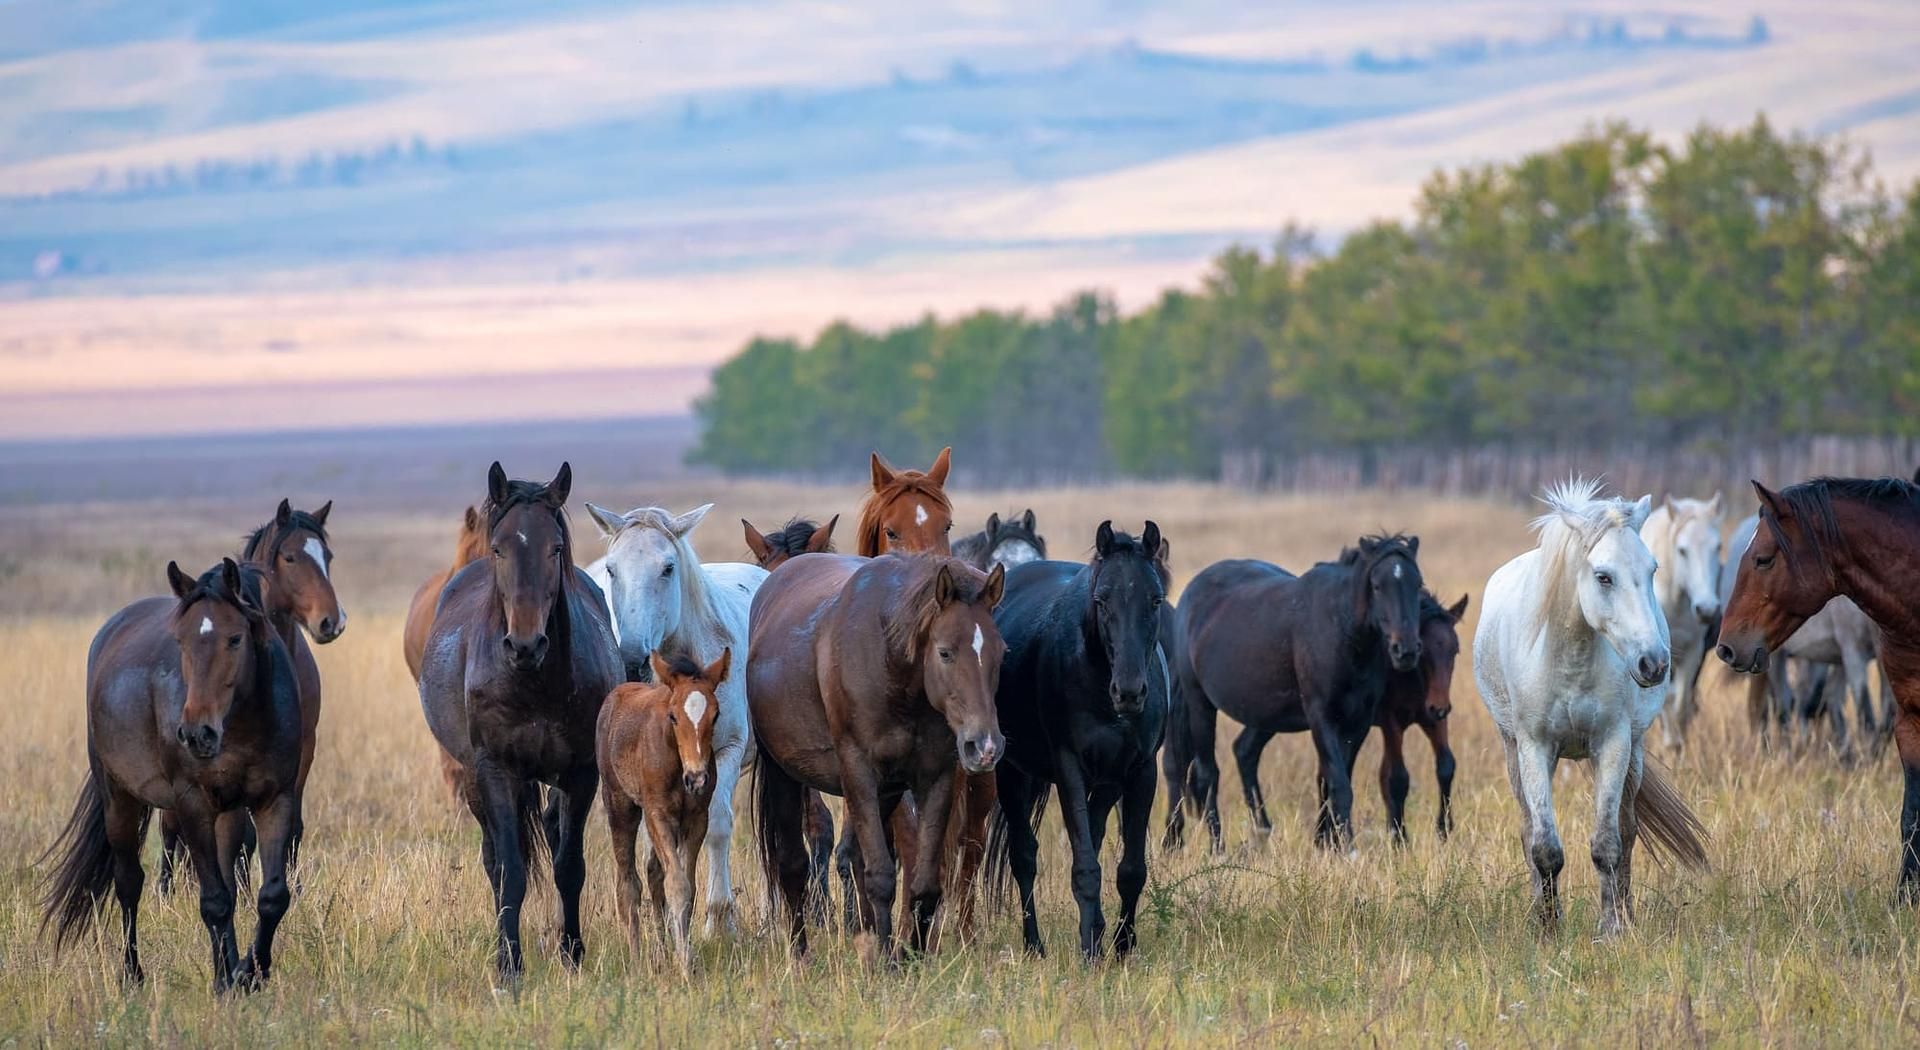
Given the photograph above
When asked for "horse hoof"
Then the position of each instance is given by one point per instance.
(249, 977)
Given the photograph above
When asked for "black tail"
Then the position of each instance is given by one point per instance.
(541, 811)
(998, 869)
(773, 836)
(84, 874)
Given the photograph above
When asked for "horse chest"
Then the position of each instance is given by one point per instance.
(531, 741)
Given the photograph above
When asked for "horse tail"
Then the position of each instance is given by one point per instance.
(1669, 823)
(542, 810)
(999, 862)
(773, 836)
(80, 880)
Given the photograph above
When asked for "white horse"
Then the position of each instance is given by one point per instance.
(1684, 537)
(663, 598)
(1571, 658)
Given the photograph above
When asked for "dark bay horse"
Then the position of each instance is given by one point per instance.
(193, 708)
(1421, 697)
(1281, 653)
(1010, 541)
(1083, 702)
(520, 658)
(868, 678)
(797, 536)
(470, 546)
(1834, 536)
(295, 562)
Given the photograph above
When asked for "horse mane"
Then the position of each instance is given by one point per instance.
(696, 595)
(520, 493)
(791, 539)
(908, 629)
(1811, 503)
(906, 482)
(212, 584)
(251, 550)
(1125, 544)
(1563, 545)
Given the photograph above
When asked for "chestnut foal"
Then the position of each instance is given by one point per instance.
(656, 760)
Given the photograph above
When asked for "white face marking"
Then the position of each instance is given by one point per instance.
(696, 709)
(979, 640)
(318, 552)
(1396, 571)
(1015, 552)
(522, 536)
(919, 514)
(206, 625)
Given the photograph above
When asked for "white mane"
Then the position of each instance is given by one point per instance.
(1577, 518)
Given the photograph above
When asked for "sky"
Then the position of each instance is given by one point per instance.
(248, 214)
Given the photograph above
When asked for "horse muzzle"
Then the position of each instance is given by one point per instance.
(695, 782)
(1403, 657)
(201, 741)
(1649, 671)
(1749, 661)
(329, 628)
(525, 653)
(1129, 699)
(979, 752)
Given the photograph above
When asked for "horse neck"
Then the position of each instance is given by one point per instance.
(1569, 637)
(1871, 562)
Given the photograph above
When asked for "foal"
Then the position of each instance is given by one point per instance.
(656, 760)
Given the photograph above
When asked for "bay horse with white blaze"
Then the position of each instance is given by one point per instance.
(1281, 653)
(520, 658)
(1840, 536)
(192, 708)
(868, 678)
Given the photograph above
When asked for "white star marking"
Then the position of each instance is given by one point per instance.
(206, 625)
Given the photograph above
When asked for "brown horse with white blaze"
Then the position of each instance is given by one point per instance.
(868, 678)
(1840, 536)
(657, 765)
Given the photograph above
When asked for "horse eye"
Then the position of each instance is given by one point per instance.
(892, 535)
(496, 552)
(233, 641)
(1605, 579)
(288, 558)
(946, 655)
(949, 526)
(1158, 600)
(1763, 563)
(668, 571)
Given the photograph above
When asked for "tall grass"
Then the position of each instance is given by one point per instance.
(1791, 941)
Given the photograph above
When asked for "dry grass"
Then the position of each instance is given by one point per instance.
(1792, 941)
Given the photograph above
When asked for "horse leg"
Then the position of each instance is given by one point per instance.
(569, 857)
(216, 892)
(783, 858)
(1677, 715)
(977, 795)
(1906, 738)
(1613, 762)
(1758, 716)
(1076, 813)
(1854, 658)
(1175, 760)
(843, 862)
(1201, 719)
(674, 896)
(721, 919)
(173, 850)
(1334, 827)
(1023, 850)
(497, 802)
(941, 800)
(1246, 755)
(276, 823)
(126, 827)
(623, 826)
(865, 816)
(1443, 768)
(1530, 767)
(1130, 878)
(1394, 780)
(819, 830)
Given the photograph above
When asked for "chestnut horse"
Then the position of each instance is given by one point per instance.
(867, 678)
(520, 658)
(657, 763)
(296, 563)
(193, 708)
(1840, 536)
(1421, 697)
(468, 548)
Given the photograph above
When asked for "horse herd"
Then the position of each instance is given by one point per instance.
(945, 690)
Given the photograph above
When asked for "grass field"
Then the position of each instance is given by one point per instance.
(1790, 941)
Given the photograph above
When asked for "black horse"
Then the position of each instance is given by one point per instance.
(1010, 541)
(520, 658)
(1083, 704)
(1281, 653)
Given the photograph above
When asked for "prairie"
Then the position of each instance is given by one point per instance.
(1791, 940)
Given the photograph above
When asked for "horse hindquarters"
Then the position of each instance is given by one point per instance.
(102, 841)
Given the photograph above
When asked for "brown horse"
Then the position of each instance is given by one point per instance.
(1421, 697)
(1827, 537)
(656, 762)
(519, 660)
(468, 548)
(192, 707)
(866, 679)
(296, 563)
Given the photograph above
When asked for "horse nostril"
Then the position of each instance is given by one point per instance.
(1724, 652)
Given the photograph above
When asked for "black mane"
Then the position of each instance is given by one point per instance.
(526, 492)
(791, 539)
(1811, 503)
(212, 584)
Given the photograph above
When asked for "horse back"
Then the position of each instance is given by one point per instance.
(783, 672)
(134, 693)
(1237, 642)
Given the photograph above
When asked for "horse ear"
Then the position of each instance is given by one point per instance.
(1717, 506)
(1770, 501)
(1165, 554)
(561, 486)
(1103, 539)
(943, 585)
(472, 521)
(1666, 504)
(284, 513)
(230, 574)
(320, 515)
(1027, 520)
(178, 581)
(497, 483)
(1413, 546)
(660, 667)
(1916, 475)
(717, 670)
(1458, 610)
(685, 522)
(822, 539)
(608, 522)
(1150, 538)
(882, 473)
(1637, 516)
(756, 542)
(941, 464)
(995, 587)
(993, 524)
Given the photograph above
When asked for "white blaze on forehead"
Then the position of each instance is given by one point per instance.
(318, 552)
(696, 707)
(206, 625)
(1396, 570)
(919, 514)
(979, 640)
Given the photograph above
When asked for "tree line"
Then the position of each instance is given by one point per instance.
(1743, 285)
